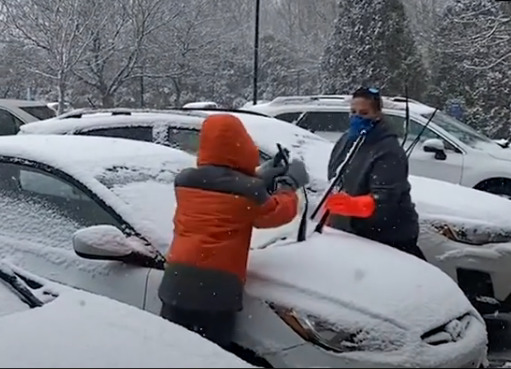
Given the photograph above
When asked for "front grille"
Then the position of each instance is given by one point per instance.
(447, 333)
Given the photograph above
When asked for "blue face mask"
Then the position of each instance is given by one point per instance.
(359, 124)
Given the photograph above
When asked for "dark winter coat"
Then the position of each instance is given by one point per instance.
(380, 168)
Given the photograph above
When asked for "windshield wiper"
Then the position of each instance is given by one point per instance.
(15, 282)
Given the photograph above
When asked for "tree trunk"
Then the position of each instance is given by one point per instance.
(177, 89)
(61, 94)
(107, 101)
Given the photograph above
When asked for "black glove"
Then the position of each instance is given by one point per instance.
(267, 171)
(295, 177)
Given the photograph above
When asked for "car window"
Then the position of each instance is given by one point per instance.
(40, 112)
(397, 124)
(184, 139)
(289, 117)
(323, 121)
(138, 133)
(41, 207)
(188, 140)
(9, 124)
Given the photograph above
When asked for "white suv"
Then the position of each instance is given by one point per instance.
(447, 150)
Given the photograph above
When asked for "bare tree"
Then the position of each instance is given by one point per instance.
(193, 45)
(116, 50)
(57, 29)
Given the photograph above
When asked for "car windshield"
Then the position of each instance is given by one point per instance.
(121, 175)
(461, 131)
(148, 192)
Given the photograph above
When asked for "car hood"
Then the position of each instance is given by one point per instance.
(495, 150)
(501, 154)
(359, 275)
(461, 207)
(78, 327)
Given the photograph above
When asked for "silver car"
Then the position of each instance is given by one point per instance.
(335, 300)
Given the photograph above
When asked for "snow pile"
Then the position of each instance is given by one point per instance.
(79, 329)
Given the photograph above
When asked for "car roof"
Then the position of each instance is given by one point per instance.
(81, 119)
(331, 102)
(84, 119)
(14, 103)
(82, 156)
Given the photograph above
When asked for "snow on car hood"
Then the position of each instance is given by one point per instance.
(459, 205)
(340, 269)
(80, 329)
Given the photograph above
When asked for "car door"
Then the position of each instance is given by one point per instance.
(427, 164)
(327, 124)
(40, 210)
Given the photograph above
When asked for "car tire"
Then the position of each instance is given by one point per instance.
(500, 188)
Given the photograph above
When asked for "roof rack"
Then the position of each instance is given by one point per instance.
(226, 110)
(199, 112)
(403, 99)
(79, 113)
(312, 99)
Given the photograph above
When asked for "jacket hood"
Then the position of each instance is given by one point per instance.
(224, 141)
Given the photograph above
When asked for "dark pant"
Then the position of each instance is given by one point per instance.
(216, 326)
(409, 246)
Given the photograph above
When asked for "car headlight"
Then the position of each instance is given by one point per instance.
(336, 338)
(472, 235)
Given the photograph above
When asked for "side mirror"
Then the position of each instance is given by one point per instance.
(436, 146)
(106, 242)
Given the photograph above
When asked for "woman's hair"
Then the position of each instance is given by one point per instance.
(370, 93)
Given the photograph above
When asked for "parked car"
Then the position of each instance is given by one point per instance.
(180, 129)
(447, 149)
(335, 300)
(47, 325)
(456, 234)
(15, 113)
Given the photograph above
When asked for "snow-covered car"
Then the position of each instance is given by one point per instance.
(335, 300)
(180, 129)
(15, 113)
(447, 149)
(467, 233)
(48, 325)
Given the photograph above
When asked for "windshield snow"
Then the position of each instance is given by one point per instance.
(122, 175)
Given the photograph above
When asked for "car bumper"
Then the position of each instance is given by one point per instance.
(469, 352)
(491, 260)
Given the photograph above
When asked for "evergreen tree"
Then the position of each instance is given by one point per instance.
(372, 45)
(472, 64)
